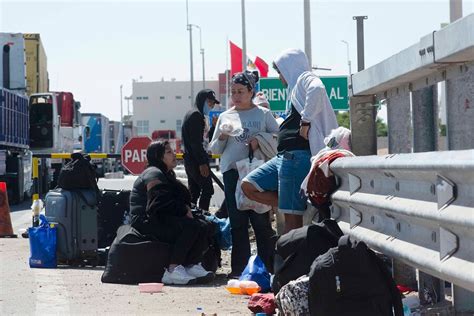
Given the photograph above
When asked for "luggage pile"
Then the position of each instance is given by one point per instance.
(319, 271)
(86, 219)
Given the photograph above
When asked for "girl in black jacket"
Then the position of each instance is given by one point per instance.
(169, 218)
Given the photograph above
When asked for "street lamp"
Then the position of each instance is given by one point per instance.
(307, 30)
(121, 104)
(348, 62)
(202, 54)
(190, 29)
(244, 38)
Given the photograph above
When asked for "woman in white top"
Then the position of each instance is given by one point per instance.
(251, 120)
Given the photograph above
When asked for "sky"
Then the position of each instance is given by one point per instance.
(93, 47)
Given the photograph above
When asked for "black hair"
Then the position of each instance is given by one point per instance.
(154, 154)
(247, 78)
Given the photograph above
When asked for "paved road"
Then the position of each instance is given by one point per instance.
(79, 291)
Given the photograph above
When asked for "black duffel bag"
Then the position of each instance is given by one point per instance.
(79, 173)
(134, 258)
(296, 250)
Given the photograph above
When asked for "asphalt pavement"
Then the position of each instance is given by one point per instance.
(79, 291)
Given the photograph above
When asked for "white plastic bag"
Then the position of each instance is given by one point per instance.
(244, 167)
(231, 125)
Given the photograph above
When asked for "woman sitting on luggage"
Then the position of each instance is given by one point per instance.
(168, 216)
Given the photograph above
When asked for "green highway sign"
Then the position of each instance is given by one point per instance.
(336, 88)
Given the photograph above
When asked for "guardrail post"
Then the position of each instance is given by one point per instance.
(425, 119)
(399, 121)
(460, 115)
(460, 109)
(399, 141)
(363, 126)
(463, 300)
(425, 138)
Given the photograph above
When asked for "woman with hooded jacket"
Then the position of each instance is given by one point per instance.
(168, 216)
(310, 119)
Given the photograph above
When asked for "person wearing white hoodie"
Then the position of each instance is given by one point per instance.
(310, 119)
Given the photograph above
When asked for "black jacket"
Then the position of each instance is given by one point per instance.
(193, 130)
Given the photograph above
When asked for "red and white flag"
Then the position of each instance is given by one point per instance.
(252, 63)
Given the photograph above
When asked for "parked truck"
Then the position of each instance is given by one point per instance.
(36, 65)
(15, 158)
(53, 129)
(96, 139)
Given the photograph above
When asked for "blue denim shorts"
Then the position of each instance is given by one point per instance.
(284, 173)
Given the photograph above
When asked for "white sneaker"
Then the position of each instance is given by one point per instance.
(197, 271)
(179, 276)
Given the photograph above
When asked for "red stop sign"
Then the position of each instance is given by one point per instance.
(134, 154)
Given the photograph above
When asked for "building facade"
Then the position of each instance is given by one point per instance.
(161, 105)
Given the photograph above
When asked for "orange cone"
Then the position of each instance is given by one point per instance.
(6, 229)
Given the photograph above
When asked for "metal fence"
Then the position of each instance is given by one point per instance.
(418, 208)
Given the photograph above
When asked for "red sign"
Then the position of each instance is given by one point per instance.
(134, 154)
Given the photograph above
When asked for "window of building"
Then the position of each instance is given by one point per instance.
(162, 121)
(139, 98)
(143, 126)
(178, 97)
(145, 98)
(162, 97)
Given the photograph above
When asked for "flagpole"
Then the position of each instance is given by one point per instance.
(244, 44)
(227, 73)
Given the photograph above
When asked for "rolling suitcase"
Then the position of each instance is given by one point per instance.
(75, 215)
(114, 207)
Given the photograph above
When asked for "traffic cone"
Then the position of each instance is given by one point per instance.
(6, 229)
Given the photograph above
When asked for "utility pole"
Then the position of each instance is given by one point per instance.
(455, 10)
(307, 31)
(121, 104)
(360, 41)
(202, 55)
(190, 29)
(244, 43)
(348, 63)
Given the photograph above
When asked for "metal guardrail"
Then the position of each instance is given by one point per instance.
(418, 208)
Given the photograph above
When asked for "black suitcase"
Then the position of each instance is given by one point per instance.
(75, 214)
(114, 207)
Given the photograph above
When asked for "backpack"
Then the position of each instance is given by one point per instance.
(79, 173)
(296, 250)
(351, 280)
(321, 187)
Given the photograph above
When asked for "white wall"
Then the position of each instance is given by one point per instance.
(162, 103)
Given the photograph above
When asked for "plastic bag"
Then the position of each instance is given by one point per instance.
(256, 271)
(42, 245)
(244, 167)
(224, 237)
(231, 125)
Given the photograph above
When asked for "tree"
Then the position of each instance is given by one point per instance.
(381, 128)
(343, 119)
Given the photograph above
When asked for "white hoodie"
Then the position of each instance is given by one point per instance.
(308, 95)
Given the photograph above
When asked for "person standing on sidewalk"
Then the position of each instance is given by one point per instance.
(250, 120)
(196, 160)
(310, 119)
